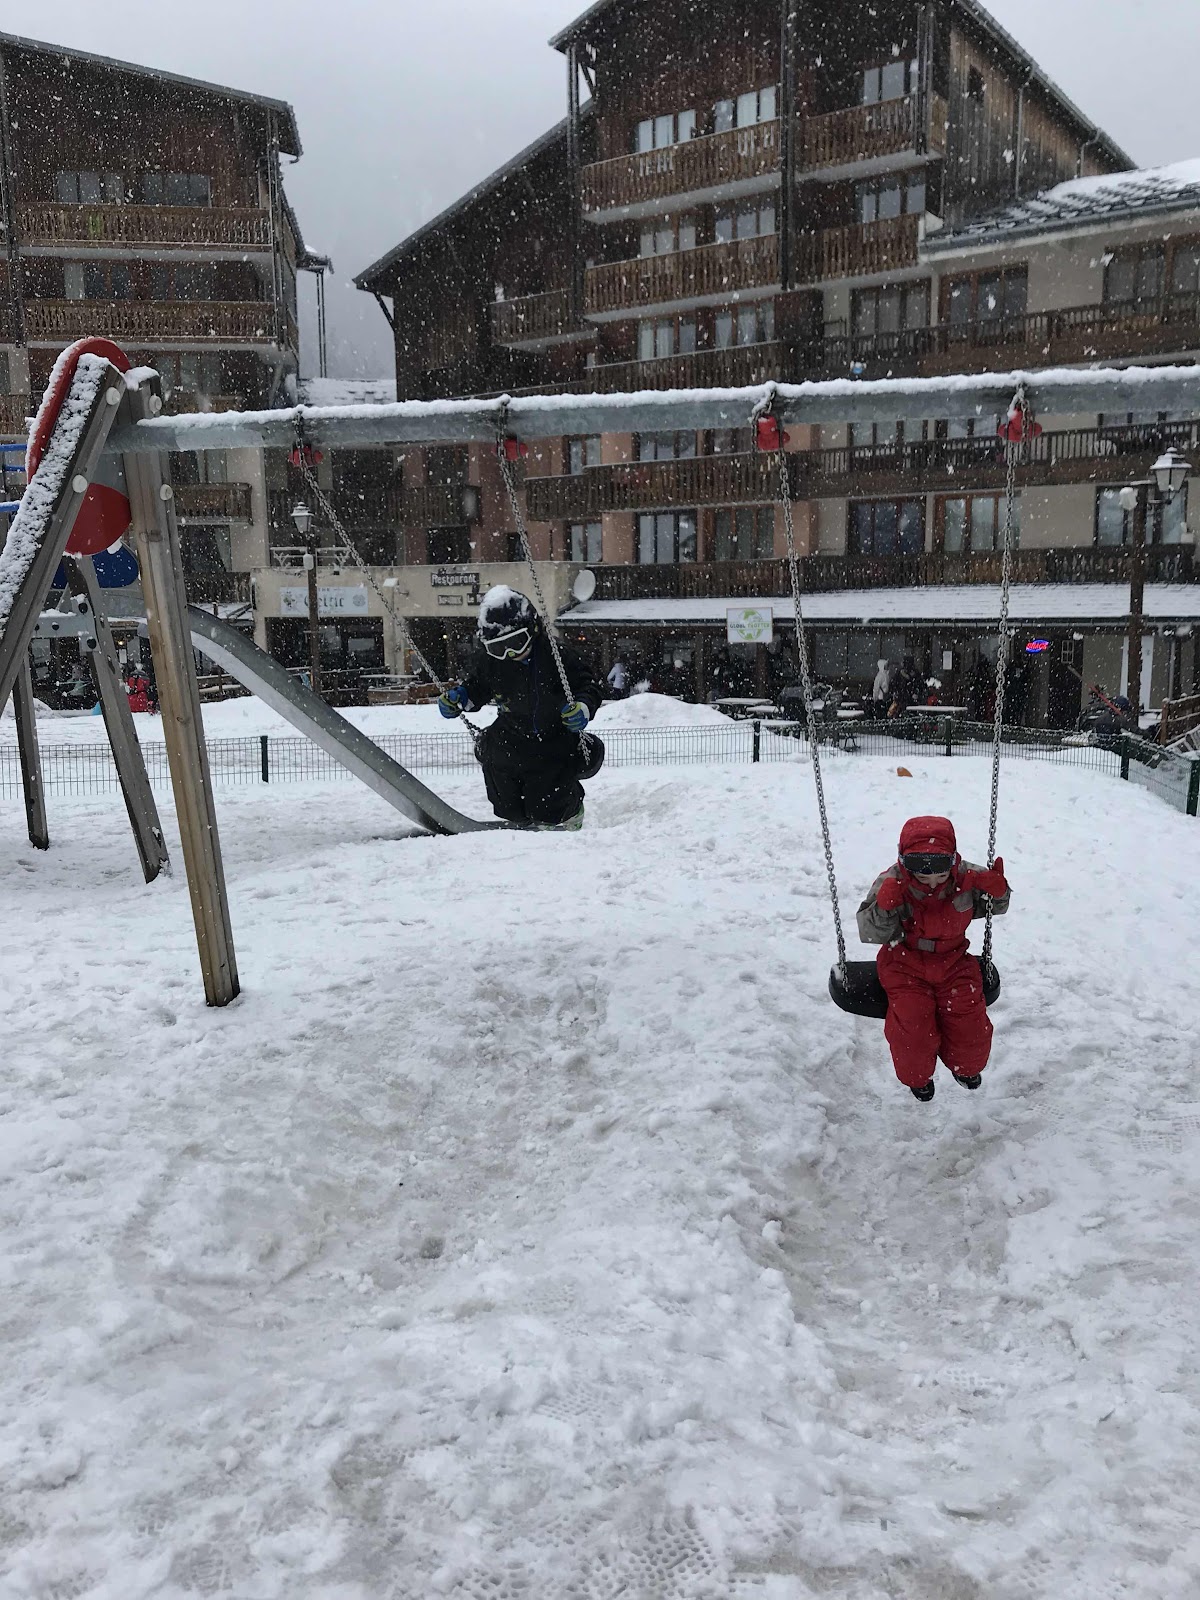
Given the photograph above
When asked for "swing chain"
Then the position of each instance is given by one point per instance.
(510, 484)
(810, 715)
(339, 527)
(1014, 447)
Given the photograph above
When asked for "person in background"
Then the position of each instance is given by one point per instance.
(532, 755)
(618, 679)
(880, 695)
(137, 686)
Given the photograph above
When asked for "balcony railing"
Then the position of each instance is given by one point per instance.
(739, 580)
(290, 557)
(217, 588)
(919, 467)
(434, 506)
(734, 368)
(47, 223)
(862, 135)
(213, 502)
(859, 250)
(1074, 334)
(152, 321)
(185, 402)
(698, 166)
(13, 410)
(712, 271)
(536, 319)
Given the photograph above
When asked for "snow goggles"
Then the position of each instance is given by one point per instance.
(920, 863)
(504, 646)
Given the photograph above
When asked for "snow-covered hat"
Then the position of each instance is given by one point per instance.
(503, 609)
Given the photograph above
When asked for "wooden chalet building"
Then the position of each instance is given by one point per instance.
(787, 190)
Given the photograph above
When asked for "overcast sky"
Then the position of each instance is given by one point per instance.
(405, 104)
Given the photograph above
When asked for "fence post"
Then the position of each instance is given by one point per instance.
(1193, 798)
(1125, 757)
(757, 739)
(264, 745)
(948, 735)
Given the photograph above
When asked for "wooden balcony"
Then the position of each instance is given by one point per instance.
(868, 137)
(536, 321)
(934, 466)
(742, 161)
(1069, 336)
(735, 368)
(859, 250)
(742, 580)
(13, 410)
(50, 225)
(186, 402)
(151, 322)
(713, 272)
(213, 502)
(431, 505)
(217, 588)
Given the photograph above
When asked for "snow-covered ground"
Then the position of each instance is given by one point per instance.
(533, 1226)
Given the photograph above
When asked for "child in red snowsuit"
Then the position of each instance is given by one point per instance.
(920, 910)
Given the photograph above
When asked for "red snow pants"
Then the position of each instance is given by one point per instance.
(935, 1008)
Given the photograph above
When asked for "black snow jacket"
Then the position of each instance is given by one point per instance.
(529, 693)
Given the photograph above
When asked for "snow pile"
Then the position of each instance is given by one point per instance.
(533, 1226)
(656, 711)
(27, 531)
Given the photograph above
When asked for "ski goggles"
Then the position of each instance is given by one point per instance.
(921, 864)
(505, 646)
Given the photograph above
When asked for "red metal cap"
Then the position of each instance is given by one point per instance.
(768, 435)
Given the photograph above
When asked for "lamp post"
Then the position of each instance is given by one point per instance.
(303, 519)
(1167, 477)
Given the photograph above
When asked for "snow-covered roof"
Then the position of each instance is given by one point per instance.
(1037, 604)
(348, 391)
(1080, 203)
(289, 133)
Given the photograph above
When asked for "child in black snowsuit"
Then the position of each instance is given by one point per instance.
(531, 755)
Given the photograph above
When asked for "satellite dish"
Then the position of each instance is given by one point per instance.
(584, 586)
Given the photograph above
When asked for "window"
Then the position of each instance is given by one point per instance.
(753, 323)
(745, 534)
(987, 297)
(658, 133)
(199, 466)
(892, 81)
(1185, 269)
(100, 280)
(975, 523)
(191, 370)
(883, 199)
(668, 234)
(666, 336)
(89, 188)
(1134, 276)
(448, 545)
(582, 453)
(1165, 524)
(752, 219)
(887, 527)
(586, 542)
(186, 281)
(975, 85)
(731, 441)
(175, 189)
(667, 538)
(665, 446)
(888, 312)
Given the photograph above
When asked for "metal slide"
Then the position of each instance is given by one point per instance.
(241, 658)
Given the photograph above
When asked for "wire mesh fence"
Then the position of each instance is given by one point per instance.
(88, 769)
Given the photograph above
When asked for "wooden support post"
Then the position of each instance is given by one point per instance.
(31, 758)
(118, 720)
(1137, 593)
(154, 526)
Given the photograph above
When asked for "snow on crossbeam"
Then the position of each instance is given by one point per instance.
(1061, 391)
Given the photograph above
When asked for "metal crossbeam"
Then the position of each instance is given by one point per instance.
(1057, 392)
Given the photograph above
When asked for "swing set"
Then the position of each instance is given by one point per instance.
(105, 454)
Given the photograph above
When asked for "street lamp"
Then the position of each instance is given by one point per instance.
(1168, 476)
(303, 519)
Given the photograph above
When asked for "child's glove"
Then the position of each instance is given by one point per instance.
(988, 881)
(453, 702)
(890, 895)
(575, 715)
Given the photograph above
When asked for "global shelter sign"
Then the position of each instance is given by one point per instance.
(749, 625)
(342, 601)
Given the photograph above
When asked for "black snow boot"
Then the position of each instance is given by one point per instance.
(926, 1091)
(971, 1082)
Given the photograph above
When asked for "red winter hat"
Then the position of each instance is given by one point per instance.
(933, 835)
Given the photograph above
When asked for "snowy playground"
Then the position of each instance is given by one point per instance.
(533, 1227)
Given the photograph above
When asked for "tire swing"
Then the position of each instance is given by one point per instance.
(854, 986)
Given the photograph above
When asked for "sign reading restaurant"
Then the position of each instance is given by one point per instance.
(342, 601)
(443, 578)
